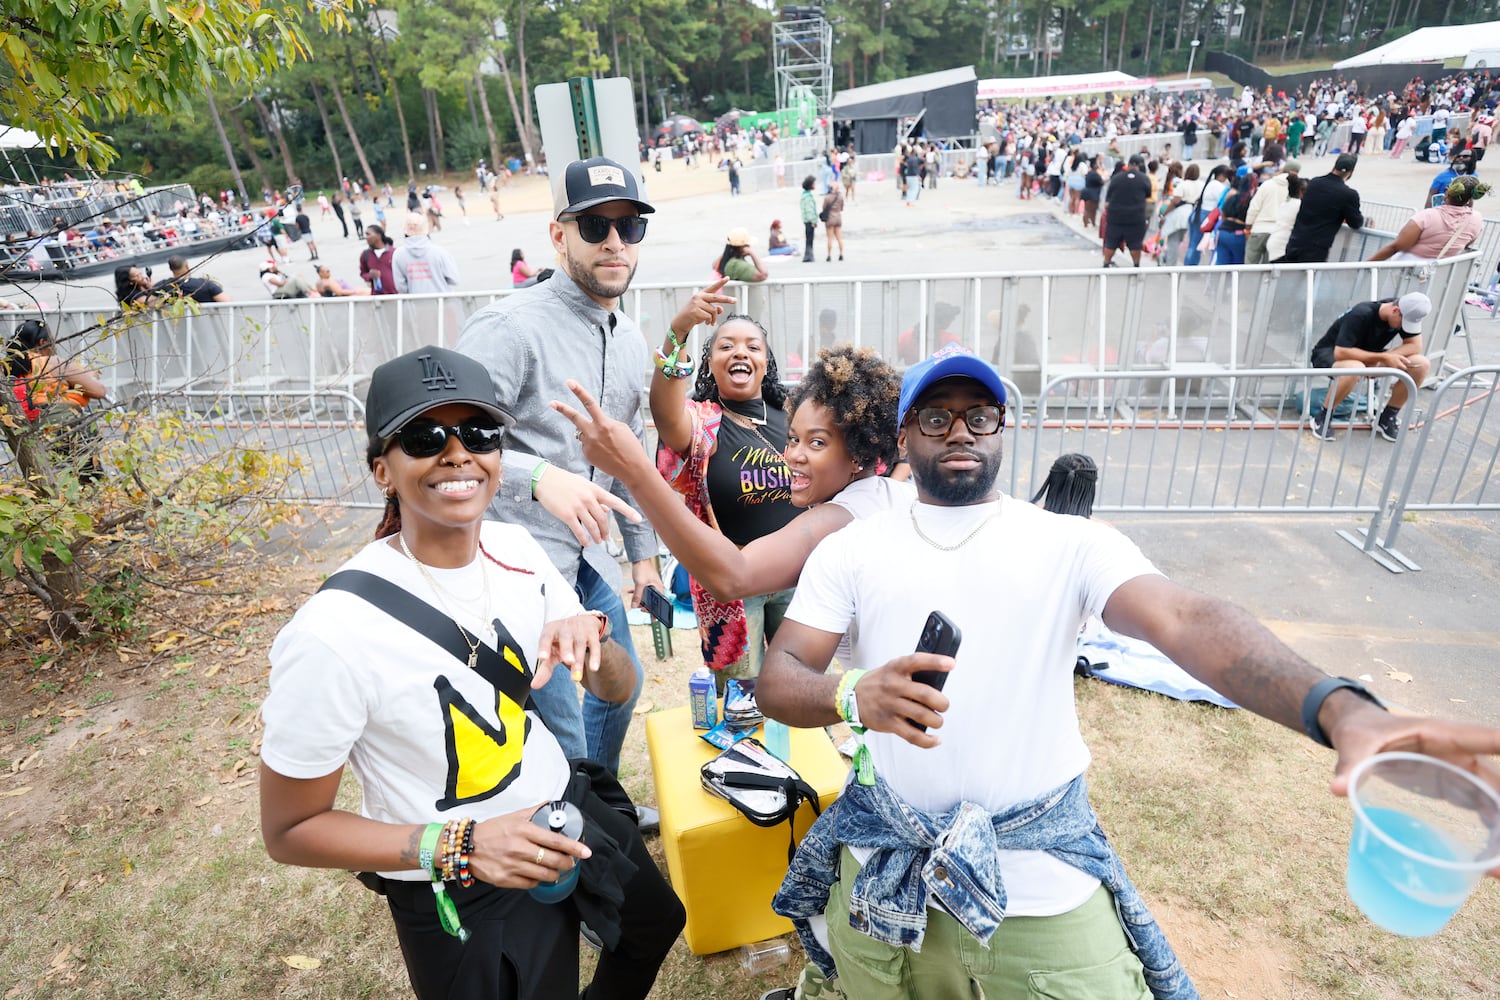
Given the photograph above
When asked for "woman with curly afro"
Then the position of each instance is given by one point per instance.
(842, 428)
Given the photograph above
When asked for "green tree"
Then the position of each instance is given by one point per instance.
(69, 64)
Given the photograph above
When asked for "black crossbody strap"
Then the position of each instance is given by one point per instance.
(415, 613)
(796, 790)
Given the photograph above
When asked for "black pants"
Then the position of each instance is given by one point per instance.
(525, 950)
(808, 228)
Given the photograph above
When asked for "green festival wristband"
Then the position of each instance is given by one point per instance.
(536, 475)
(426, 852)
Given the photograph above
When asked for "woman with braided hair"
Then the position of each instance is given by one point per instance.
(720, 449)
(1445, 230)
(1069, 487)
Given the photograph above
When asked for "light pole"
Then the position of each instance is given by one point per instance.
(1192, 51)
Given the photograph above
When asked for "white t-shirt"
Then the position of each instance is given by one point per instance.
(1018, 592)
(865, 497)
(428, 739)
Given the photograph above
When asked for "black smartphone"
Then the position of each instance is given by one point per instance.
(940, 636)
(657, 605)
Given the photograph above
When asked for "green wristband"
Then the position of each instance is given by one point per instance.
(428, 849)
(536, 475)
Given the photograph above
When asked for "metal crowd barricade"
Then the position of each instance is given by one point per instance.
(1455, 458)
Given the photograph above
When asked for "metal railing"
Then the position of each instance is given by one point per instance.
(1034, 325)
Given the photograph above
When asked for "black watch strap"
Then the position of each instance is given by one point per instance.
(1313, 703)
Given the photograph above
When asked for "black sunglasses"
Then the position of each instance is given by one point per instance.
(935, 421)
(426, 438)
(595, 228)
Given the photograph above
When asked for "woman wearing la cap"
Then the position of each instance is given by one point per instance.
(417, 678)
(737, 261)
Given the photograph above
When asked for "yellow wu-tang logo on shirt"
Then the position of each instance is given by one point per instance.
(483, 760)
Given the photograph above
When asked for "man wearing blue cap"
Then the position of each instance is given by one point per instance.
(571, 327)
(962, 858)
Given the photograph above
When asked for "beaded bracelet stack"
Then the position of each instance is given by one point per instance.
(674, 365)
(445, 853)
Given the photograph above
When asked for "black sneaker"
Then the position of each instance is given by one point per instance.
(1321, 425)
(1389, 424)
(779, 994)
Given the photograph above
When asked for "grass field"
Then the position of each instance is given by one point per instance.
(133, 866)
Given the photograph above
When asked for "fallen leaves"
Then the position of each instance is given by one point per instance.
(12, 793)
(301, 962)
(1399, 676)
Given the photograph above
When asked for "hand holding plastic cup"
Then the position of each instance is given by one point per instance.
(1425, 832)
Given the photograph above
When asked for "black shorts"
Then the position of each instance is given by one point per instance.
(1130, 235)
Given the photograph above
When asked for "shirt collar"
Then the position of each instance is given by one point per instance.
(576, 299)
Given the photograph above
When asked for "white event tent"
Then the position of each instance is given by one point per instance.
(1452, 41)
(1003, 88)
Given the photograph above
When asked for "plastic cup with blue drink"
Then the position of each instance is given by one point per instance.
(1425, 832)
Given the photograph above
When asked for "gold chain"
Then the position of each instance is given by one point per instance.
(755, 425)
(949, 548)
(473, 644)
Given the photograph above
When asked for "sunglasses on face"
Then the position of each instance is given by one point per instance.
(426, 438)
(595, 228)
(935, 421)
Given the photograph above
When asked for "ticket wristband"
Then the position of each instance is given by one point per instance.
(536, 475)
(428, 851)
(847, 706)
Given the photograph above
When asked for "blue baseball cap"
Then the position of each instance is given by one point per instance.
(952, 361)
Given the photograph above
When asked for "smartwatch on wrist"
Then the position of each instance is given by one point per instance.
(1313, 704)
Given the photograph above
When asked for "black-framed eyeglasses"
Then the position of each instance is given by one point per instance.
(426, 438)
(595, 228)
(936, 421)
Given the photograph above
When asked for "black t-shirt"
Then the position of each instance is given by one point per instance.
(197, 289)
(748, 482)
(1360, 327)
(1126, 196)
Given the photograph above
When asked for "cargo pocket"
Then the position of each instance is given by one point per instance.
(882, 962)
(1120, 978)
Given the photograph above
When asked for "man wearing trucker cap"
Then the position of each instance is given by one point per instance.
(1362, 338)
(571, 326)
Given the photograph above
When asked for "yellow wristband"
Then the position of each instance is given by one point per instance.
(845, 688)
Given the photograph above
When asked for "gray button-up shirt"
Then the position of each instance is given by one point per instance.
(532, 342)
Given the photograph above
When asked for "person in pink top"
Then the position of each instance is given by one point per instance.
(1444, 230)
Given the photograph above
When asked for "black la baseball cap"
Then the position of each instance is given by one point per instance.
(419, 380)
(594, 181)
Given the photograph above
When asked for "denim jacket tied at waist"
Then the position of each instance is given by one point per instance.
(952, 856)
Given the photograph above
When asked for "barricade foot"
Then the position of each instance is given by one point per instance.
(1389, 558)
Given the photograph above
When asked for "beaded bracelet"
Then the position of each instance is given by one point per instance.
(466, 854)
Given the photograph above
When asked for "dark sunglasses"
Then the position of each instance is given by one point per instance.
(595, 228)
(935, 421)
(426, 438)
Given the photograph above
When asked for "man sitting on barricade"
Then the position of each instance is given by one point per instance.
(1359, 339)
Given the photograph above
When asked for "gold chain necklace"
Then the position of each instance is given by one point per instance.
(949, 548)
(473, 643)
(755, 425)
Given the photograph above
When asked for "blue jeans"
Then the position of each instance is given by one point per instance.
(597, 729)
(1193, 256)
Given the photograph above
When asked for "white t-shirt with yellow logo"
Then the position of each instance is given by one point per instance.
(428, 738)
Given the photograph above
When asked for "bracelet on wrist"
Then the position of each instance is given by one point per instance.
(674, 365)
(842, 697)
(603, 622)
(536, 475)
(1313, 704)
(427, 852)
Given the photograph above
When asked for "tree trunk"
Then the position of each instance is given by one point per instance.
(388, 75)
(434, 128)
(1150, 27)
(489, 122)
(532, 141)
(234, 166)
(645, 101)
(1260, 27)
(59, 586)
(1306, 23)
(359, 149)
(249, 148)
(1318, 27)
(1120, 52)
(1181, 20)
(273, 131)
(1291, 18)
(520, 117)
(333, 147)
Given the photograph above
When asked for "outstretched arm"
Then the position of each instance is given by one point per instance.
(1225, 647)
(768, 564)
